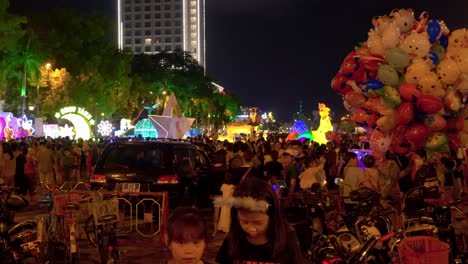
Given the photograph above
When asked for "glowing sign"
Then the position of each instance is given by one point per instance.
(75, 110)
(81, 119)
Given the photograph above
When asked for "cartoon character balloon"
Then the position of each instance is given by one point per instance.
(408, 83)
(416, 44)
(448, 71)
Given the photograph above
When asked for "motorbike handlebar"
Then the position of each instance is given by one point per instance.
(387, 236)
(459, 201)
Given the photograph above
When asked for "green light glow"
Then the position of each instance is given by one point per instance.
(145, 128)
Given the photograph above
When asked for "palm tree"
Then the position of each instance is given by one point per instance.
(23, 67)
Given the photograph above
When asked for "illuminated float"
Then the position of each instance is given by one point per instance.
(407, 84)
(299, 130)
(234, 129)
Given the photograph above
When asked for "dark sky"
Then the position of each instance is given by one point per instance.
(274, 53)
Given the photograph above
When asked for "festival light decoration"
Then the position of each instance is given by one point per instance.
(105, 128)
(299, 130)
(51, 130)
(27, 125)
(80, 118)
(325, 125)
(66, 131)
(145, 128)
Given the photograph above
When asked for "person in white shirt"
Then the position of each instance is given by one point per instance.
(352, 176)
(314, 172)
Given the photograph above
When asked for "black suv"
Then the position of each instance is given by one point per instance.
(155, 166)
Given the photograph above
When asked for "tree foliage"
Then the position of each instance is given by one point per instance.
(99, 73)
(88, 70)
(10, 27)
(179, 73)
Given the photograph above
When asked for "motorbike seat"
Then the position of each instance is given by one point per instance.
(71, 206)
(45, 201)
(107, 218)
(17, 228)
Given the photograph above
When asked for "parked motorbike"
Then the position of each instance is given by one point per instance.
(305, 211)
(18, 241)
(331, 249)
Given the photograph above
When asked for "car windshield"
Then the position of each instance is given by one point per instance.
(134, 158)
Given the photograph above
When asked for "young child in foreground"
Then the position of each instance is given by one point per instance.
(258, 233)
(186, 236)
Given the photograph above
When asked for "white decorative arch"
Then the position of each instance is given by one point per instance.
(81, 119)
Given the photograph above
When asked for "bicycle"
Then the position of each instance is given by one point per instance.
(47, 223)
(58, 231)
(107, 239)
(100, 228)
(70, 231)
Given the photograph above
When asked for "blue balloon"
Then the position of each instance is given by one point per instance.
(433, 30)
(444, 41)
(433, 57)
(372, 85)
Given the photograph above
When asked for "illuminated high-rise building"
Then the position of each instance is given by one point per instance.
(151, 26)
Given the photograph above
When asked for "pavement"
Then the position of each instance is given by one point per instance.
(134, 248)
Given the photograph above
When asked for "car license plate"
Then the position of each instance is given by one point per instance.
(131, 187)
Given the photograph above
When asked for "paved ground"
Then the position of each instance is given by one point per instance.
(134, 248)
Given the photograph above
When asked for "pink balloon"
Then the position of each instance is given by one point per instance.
(339, 84)
(349, 66)
(416, 135)
(399, 144)
(404, 114)
(354, 99)
(435, 122)
(429, 104)
(364, 117)
(409, 92)
(379, 141)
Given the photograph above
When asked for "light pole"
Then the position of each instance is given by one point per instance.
(47, 67)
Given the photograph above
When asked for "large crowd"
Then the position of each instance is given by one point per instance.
(242, 178)
(24, 163)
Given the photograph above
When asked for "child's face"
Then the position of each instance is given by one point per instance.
(254, 224)
(187, 252)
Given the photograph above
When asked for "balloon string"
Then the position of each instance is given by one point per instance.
(413, 165)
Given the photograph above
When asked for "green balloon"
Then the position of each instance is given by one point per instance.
(439, 51)
(390, 95)
(388, 75)
(397, 58)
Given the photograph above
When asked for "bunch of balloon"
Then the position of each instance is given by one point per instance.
(408, 84)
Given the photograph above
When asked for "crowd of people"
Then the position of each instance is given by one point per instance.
(24, 163)
(244, 173)
(243, 176)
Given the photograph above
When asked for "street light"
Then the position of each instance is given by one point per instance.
(47, 67)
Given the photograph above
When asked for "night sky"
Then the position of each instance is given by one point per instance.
(274, 53)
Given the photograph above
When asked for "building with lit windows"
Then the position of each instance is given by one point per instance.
(151, 26)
